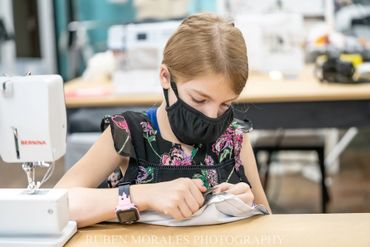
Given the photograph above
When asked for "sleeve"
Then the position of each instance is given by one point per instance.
(120, 134)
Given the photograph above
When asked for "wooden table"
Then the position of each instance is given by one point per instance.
(259, 88)
(312, 230)
(302, 102)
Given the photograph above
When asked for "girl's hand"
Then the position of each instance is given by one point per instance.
(179, 198)
(241, 190)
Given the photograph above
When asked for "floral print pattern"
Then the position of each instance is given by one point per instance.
(211, 176)
(227, 146)
(176, 157)
(208, 176)
(114, 178)
(149, 134)
(145, 175)
(238, 141)
(120, 122)
(148, 131)
(122, 137)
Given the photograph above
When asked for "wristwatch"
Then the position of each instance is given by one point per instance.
(126, 211)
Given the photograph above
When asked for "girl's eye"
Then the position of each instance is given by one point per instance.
(199, 101)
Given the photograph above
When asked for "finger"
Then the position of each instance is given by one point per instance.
(192, 204)
(194, 199)
(199, 184)
(222, 187)
(196, 194)
(248, 198)
(185, 210)
(175, 213)
(239, 188)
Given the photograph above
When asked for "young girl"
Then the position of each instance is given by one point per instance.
(166, 158)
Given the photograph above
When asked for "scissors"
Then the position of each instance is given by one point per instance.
(208, 194)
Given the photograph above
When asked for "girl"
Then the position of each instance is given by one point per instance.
(166, 158)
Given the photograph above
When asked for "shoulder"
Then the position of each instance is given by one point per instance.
(246, 149)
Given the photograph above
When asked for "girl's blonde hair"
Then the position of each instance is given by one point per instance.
(207, 43)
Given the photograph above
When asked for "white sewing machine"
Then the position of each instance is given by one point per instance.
(274, 42)
(143, 44)
(33, 132)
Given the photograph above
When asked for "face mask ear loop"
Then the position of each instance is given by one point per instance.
(174, 88)
(165, 92)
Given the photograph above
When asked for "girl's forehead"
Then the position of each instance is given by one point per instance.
(213, 85)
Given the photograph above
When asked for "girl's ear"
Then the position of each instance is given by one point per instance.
(164, 76)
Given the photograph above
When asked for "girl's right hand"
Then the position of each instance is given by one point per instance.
(179, 198)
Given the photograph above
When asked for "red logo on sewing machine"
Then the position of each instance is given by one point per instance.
(33, 142)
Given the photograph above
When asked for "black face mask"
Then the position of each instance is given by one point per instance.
(191, 126)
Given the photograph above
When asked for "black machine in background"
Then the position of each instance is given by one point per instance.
(335, 69)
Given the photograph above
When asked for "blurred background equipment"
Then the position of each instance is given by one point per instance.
(335, 69)
(354, 20)
(4, 35)
(32, 46)
(160, 9)
(275, 42)
(138, 69)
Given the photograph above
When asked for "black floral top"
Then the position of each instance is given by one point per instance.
(154, 159)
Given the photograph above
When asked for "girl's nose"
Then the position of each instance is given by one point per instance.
(212, 112)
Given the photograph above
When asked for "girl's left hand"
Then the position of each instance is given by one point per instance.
(241, 190)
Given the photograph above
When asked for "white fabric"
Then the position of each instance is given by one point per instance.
(221, 208)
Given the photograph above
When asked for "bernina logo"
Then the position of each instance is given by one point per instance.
(33, 142)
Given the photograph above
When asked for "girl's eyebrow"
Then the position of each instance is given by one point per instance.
(202, 94)
(209, 97)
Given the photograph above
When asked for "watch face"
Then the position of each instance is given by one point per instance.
(128, 216)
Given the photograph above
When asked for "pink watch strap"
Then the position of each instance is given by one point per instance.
(124, 202)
